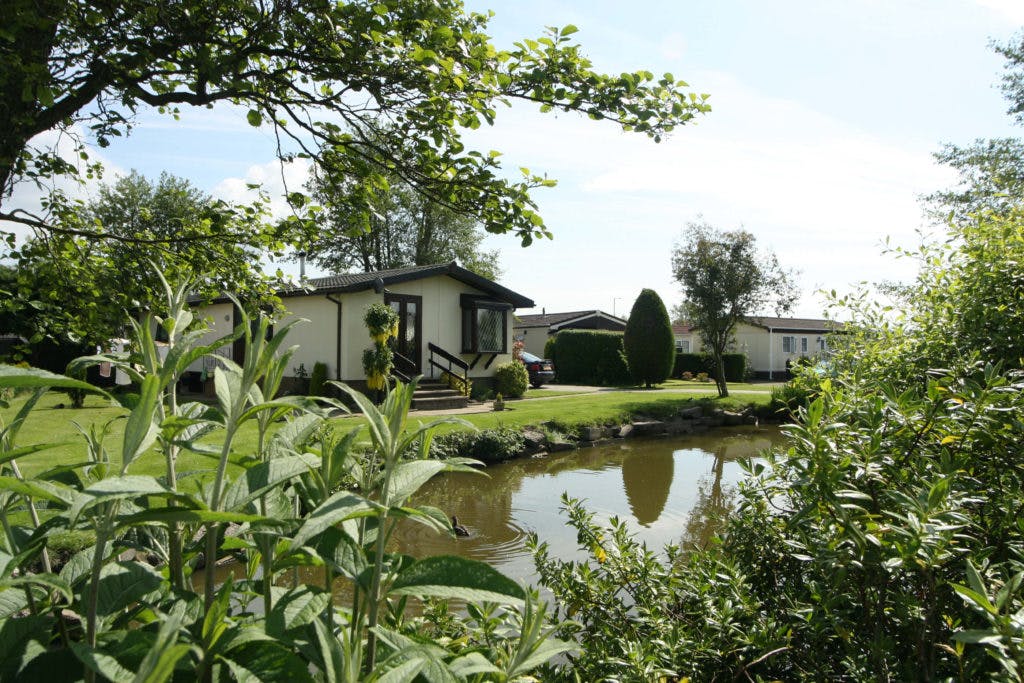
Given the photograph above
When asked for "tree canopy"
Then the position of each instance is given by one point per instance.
(724, 279)
(382, 84)
(85, 292)
(406, 229)
(648, 341)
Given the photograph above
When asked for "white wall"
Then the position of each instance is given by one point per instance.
(317, 334)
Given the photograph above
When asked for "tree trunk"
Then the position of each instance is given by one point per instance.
(723, 389)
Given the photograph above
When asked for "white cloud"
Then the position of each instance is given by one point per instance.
(274, 178)
(821, 193)
(1011, 10)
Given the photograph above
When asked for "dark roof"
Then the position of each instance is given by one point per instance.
(778, 325)
(549, 319)
(357, 282)
(794, 324)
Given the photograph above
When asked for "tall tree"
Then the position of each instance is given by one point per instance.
(406, 229)
(325, 76)
(85, 293)
(724, 279)
(648, 341)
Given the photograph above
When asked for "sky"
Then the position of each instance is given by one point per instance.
(825, 116)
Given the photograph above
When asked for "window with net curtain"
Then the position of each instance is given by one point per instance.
(484, 326)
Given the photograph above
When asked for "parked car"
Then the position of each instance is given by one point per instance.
(540, 369)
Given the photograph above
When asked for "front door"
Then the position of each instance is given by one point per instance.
(407, 345)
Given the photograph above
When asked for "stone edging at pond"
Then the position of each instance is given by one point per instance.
(690, 420)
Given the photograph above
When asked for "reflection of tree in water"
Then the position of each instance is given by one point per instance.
(647, 477)
(715, 503)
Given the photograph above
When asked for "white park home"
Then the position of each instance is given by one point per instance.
(770, 344)
(445, 312)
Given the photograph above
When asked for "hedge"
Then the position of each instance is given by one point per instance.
(589, 357)
(735, 365)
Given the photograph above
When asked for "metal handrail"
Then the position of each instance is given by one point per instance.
(462, 378)
(402, 374)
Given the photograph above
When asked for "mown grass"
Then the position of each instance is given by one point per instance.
(598, 408)
(53, 422)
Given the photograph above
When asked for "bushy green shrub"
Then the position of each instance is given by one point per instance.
(488, 445)
(318, 379)
(549, 350)
(511, 379)
(648, 341)
(589, 357)
(695, 363)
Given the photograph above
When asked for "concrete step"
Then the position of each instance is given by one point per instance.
(440, 403)
(433, 395)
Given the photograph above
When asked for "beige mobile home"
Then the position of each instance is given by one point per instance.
(450, 319)
(770, 344)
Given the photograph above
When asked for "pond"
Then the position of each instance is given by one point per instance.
(674, 490)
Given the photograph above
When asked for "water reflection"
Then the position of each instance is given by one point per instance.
(647, 478)
(672, 490)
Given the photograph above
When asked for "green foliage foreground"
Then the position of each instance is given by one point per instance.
(886, 542)
(304, 497)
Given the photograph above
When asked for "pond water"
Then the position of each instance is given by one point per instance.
(673, 490)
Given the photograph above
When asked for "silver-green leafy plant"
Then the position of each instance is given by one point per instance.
(306, 503)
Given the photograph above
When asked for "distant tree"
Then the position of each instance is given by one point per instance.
(648, 342)
(84, 294)
(991, 179)
(404, 228)
(724, 279)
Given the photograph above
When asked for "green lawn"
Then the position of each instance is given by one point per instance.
(598, 408)
(53, 422)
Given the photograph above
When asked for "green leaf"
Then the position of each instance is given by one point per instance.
(448, 576)
(171, 515)
(101, 663)
(569, 29)
(339, 507)
(12, 602)
(116, 488)
(32, 378)
(978, 637)
(254, 118)
(50, 582)
(409, 476)
(15, 635)
(158, 664)
(296, 608)
(124, 583)
(142, 429)
(36, 488)
(472, 664)
(260, 478)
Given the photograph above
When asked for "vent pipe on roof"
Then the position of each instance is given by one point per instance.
(302, 266)
(543, 311)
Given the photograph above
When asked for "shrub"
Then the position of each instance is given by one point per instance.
(588, 357)
(693, 363)
(648, 340)
(318, 379)
(511, 379)
(549, 351)
(488, 445)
